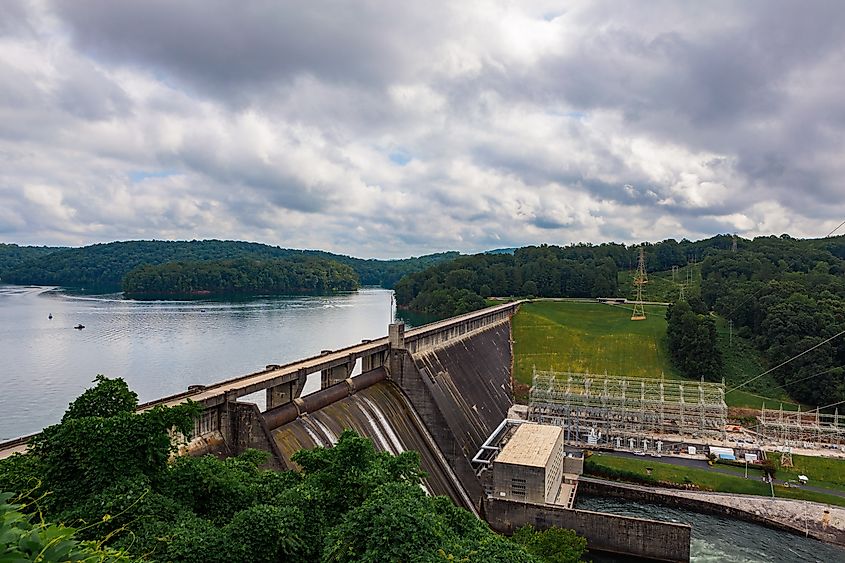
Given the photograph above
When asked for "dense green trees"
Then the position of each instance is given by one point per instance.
(24, 537)
(101, 267)
(12, 255)
(243, 276)
(692, 342)
(786, 295)
(109, 472)
(554, 545)
(459, 286)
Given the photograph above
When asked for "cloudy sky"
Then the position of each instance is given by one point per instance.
(387, 129)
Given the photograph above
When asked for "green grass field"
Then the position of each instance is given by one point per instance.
(711, 480)
(596, 338)
(580, 337)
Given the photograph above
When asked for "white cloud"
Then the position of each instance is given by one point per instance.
(382, 130)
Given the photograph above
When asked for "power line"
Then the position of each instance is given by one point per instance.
(836, 229)
(828, 406)
(786, 362)
(814, 375)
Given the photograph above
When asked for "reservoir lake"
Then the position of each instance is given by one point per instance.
(160, 347)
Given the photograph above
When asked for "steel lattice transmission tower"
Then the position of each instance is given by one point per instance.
(640, 279)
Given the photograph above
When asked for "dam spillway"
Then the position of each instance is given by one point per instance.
(382, 413)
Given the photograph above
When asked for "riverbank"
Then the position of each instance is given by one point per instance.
(810, 519)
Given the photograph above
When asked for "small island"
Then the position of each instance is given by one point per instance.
(239, 277)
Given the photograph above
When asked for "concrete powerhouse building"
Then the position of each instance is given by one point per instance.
(531, 466)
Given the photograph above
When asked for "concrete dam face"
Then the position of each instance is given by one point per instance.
(440, 399)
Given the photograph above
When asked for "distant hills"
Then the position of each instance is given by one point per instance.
(501, 251)
(102, 267)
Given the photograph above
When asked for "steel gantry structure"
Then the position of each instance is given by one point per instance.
(801, 429)
(597, 409)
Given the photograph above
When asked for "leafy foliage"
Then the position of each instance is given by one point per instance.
(109, 470)
(108, 398)
(554, 545)
(693, 342)
(242, 276)
(24, 538)
(12, 256)
(786, 295)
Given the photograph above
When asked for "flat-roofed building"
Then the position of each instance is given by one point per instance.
(529, 466)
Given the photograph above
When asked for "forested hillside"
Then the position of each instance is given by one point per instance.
(12, 255)
(243, 276)
(103, 266)
(545, 271)
(579, 270)
(787, 295)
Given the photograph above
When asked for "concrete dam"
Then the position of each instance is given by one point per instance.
(441, 401)
(440, 390)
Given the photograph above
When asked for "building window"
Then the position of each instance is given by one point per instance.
(518, 487)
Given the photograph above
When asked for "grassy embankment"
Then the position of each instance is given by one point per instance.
(580, 337)
(712, 479)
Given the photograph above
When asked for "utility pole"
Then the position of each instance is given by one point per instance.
(640, 279)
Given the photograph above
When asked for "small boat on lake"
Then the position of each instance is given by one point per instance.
(50, 316)
(79, 327)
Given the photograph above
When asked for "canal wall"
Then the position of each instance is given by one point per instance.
(650, 539)
(810, 519)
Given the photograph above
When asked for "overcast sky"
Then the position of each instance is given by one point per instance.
(388, 129)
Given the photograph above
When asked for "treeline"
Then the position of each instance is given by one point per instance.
(102, 267)
(578, 270)
(787, 295)
(13, 255)
(542, 271)
(243, 276)
(111, 473)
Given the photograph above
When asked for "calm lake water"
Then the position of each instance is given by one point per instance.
(159, 347)
(719, 539)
